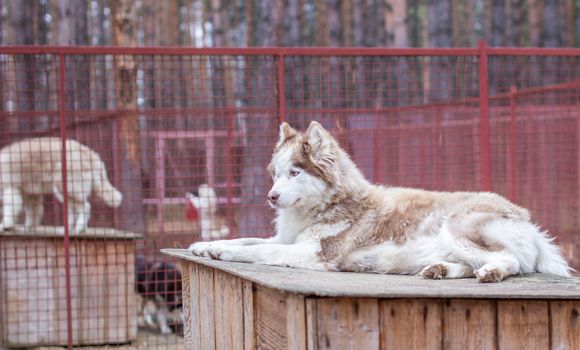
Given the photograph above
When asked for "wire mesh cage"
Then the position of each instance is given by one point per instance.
(109, 154)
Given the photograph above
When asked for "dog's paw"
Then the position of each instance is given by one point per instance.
(434, 272)
(219, 252)
(199, 248)
(228, 253)
(488, 275)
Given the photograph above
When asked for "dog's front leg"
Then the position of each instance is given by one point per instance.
(303, 255)
(201, 248)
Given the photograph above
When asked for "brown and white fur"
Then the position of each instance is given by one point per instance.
(329, 217)
(32, 167)
(206, 202)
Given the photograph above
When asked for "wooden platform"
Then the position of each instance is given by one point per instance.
(33, 287)
(247, 306)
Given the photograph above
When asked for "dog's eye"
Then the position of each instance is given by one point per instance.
(294, 173)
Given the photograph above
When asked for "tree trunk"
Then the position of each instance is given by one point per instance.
(554, 26)
(440, 32)
(23, 23)
(535, 10)
(346, 21)
(3, 42)
(294, 33)
(519, 18)
(250, 22)
(99, 73)
(396, 22)
(70, 29)
(321, 23)
(570, 23)
(261, 128)
(124, 34)
(357, 20)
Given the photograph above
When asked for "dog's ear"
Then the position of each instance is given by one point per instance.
(286, 132)
(319, 141)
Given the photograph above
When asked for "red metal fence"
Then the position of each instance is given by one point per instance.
(166, 120)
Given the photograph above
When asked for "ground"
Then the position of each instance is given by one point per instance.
(145, 340)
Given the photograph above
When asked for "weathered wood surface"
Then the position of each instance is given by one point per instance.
(346, 323)
(270, 318)
(411, 324)
(565, 316)
(469, 324)
(524, 325)
(33, 298)
(337, 284)
(250, 306)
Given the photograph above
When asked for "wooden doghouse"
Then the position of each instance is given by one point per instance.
(247, 306)
(33, 301)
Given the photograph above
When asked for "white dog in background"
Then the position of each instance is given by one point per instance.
(206, 202)
(31, 168)
(329, 217)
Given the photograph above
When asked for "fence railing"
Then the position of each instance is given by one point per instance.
(165, 120)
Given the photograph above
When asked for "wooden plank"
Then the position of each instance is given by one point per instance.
(340, 284)
(229, 313)
(523, 324)
(117, 292)
(190, 301)
(270, 319)
(206, 308)
(103, 299)
(296, 322)
(311, 325)
(347, 323)
(469, 324)
(249, 333)
(411, 324)
(565, 324)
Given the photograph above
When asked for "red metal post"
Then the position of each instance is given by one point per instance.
(230, 166)
(512, 146)
(63, 136)
(281, 89)
(160, 182)
(484, 118)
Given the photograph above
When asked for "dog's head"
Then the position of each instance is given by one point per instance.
(307, 168)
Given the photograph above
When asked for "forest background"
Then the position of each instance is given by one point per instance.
(370, 23)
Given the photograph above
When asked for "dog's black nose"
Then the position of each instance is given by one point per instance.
(273, 196)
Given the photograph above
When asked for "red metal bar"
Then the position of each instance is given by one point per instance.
(117, 219)
(512, 147)
(63, 136)
(281, 89)
(484, 118)
(230, 169)
(438, 159)
(160, 182)
(241, 51)
(286, 51)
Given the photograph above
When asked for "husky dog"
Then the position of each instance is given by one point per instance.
(206, 202)
(329, 217)
(159, 287)
(32, 167)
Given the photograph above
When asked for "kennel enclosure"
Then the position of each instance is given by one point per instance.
(167, 120)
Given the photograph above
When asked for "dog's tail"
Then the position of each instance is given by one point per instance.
(550, 259)
(103, 188)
